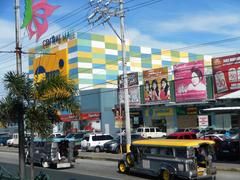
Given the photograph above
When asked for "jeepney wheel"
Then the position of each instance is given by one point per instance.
(122, 167)
(129, 159)
(166, 175)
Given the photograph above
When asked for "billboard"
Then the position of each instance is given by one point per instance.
(189, 80)
(46, 65)
(156, 85)
(226, 72)
(133, 88)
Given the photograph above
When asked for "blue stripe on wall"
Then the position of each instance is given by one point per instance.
(111, 77)
(84, 48)
(166, 63)
(147, 56)
(73, 71)
(144, 65)
(99, 66)
(98, 81)
(73, 60)
(30, 62)
(72, 49)
(156, 51)
(134, 48)
(111, 57)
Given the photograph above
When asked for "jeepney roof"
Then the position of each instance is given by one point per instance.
(172, 142)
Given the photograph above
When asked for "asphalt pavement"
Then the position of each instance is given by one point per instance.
(221, 165)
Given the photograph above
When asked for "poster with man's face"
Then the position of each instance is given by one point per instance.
(189, 80)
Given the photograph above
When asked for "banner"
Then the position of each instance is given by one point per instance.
(190, 84)
(133, 88)
(119, 115)
(226, 72)
(156, 86)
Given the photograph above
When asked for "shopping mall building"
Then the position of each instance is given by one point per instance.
(94, 62)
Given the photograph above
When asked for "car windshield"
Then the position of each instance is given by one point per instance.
(180, 130)
(69, 135)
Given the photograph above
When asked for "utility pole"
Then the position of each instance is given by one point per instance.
(125, 78)
(21, 151)
(102, 10)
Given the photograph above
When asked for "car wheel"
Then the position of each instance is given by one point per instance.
(166, 175)
(122, 167)
(97, 149)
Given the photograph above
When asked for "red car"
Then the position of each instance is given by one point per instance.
(182, 135)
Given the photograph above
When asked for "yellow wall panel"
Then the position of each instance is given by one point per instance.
(72, 43)
(98, 61)
(98, 50)
(174, 59)
(111, 67)
(84, 54)
(156, 57)
(136, 64)
(110, 39)
(72, 66)
(166, 52)
(156, 66)
(183, 54)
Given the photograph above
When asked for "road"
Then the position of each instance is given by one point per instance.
(90, 170)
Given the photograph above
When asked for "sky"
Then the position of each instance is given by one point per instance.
(165, 24)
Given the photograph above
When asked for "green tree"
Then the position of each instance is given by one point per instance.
(37, 103)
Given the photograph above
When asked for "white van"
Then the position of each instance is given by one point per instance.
(150, 132)
(95, 142)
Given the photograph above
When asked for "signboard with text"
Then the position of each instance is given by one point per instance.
(226, 72)
(203, 121)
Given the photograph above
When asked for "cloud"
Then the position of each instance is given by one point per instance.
(227, 24)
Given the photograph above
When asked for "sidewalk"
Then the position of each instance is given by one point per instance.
(221, 166)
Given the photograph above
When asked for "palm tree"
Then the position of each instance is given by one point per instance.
(37, 102)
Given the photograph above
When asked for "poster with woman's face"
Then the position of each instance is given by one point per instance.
(156, 85)
(189, 80)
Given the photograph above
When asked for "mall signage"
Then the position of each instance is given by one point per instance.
(226, 72)
(58, 39)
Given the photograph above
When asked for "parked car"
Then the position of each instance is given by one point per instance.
(229, 149)
(182, 135)
(150, 132)
(76, 138)
(113, 146)
(95, 142)
(3, 139)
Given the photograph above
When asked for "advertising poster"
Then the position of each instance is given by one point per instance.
(189, 80)
(226, 72)
(119, 114)
(91, 121)
(156, 85)
(133, 89)
(203, 121)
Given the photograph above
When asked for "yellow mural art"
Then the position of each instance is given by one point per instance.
(50, 64)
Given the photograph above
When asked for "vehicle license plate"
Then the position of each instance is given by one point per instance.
(226, 151)
(63, 165)
(146, 164)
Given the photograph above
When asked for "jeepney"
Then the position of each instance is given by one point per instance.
(51, 152)
(170, 158)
